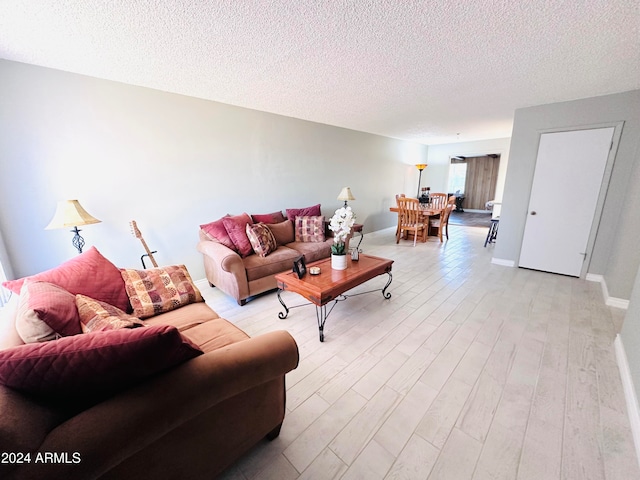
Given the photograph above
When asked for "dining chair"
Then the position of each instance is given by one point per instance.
(442, 222)
(410, 219)
(398, 195)
(438, 200)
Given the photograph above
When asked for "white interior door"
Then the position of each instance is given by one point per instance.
(566, 184)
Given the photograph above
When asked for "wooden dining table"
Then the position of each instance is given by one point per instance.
(427, 211)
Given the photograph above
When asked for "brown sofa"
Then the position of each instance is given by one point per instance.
(191, 421)
(243, 277)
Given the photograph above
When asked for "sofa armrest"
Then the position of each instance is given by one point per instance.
(136, 418)
(224, 268)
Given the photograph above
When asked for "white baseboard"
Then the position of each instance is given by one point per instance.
(202, 284)
(503, 262)
(611, 301)
(629, 393)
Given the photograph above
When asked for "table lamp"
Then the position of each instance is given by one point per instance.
(345, 195)
(69, 213)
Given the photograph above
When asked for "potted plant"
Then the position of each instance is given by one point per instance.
(340, 224)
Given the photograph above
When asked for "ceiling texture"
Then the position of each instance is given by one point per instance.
(428, 71)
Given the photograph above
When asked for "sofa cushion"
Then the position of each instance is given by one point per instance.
(159, 290)
(89, 274)
(100, 316)
(283, 232)
(236, 228)
(186, 317)
(45, 312)
(262, 240)
(216, 231)
(312, 211)
(275, 217)
(93, 365)
(278, 261)
(312, 251)
(214, 334)
(309, 229)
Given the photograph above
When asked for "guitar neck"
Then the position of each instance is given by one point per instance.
(149, 253)
(136, 232)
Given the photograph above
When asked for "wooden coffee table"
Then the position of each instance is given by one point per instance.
(330, 285)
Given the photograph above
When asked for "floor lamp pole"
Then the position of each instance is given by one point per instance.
(420, 167)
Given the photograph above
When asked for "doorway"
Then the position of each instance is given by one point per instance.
(476, 178)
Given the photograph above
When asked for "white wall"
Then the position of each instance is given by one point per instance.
(171, 163)
(437, 173)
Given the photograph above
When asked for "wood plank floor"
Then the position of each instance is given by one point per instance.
(469, 371)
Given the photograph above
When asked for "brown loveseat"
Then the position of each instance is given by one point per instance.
(244, 275)
(190, 421)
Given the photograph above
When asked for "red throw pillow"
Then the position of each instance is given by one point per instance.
(312, 211)
(236, 228)
(50, 304)
(89, 274)
(216, 230)
(93, 365)
(275, 217)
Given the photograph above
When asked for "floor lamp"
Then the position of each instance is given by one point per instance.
(420, 166)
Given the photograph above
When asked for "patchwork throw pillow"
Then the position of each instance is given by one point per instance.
(237, 229)
(310, 229)
(216, 231)
(275, 217)
(94, 365)
(312, 211)
(159, 290)
(283, 232)
(46, 312)
(261, 238)
(100, 316)
(89, 274)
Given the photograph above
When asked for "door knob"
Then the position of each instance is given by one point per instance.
(533, 212)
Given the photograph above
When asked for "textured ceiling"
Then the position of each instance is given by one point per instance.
(417, 70)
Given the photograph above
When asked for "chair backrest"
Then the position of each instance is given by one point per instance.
(452, 200)
(409, 211)
(398, 196)
(438, 200)
(447, 212)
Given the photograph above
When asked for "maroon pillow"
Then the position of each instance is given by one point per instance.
(275, 217)
(216, 230)
(88, 274)
(312, 211)
(236, 228)
(93, 365)
(54, 306)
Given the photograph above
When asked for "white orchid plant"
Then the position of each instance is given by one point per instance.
(340, 225)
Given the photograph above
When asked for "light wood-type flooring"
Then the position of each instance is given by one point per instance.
(469, 371)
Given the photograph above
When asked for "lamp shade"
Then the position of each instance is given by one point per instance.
(69, 213)
(346, 195)
(421, 166)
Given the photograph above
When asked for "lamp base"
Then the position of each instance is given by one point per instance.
(77, 240)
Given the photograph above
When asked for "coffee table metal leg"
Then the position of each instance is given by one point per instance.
(281, 315)
(386, 294)
(321, 316)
